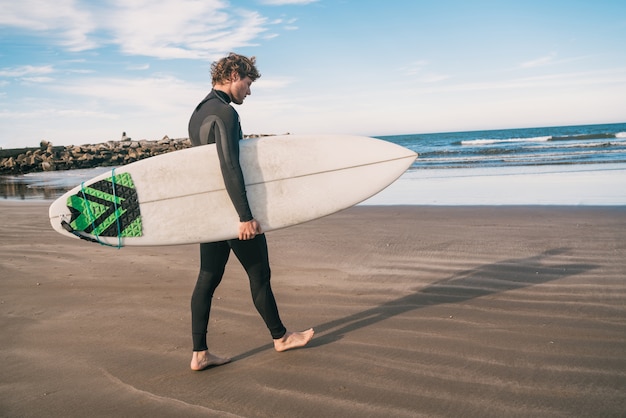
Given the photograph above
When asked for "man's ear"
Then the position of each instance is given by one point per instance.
(234, 76)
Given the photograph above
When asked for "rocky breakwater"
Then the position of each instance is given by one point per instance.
(48, 157)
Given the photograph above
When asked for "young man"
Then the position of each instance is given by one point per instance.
(215, 121)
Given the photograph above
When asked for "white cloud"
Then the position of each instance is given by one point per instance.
(147, 94)
(53, 113)
(417, 70)
(548, 81)
(550, 60)
(81, 71)
(37, 80)
(433, 78)
(61, 19)
(287, 2)
(182, 28)
(539, 62)
(26, 70)
(140, 67)
(169, 29)
(84, 109)
(291, 24)
(265, 83)
(414, 67)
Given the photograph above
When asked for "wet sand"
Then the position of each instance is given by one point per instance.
(418, 311)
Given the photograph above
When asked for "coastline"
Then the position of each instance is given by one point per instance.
(418, 310)
(577, 185)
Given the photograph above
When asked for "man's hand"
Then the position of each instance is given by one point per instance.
(249, 230)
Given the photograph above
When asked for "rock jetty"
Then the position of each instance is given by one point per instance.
(48, 157)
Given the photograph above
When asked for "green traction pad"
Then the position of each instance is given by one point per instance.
(107, 208)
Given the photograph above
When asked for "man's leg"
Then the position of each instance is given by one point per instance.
(213, 258)
(253, 255)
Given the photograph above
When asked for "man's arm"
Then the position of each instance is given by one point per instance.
(227, 142)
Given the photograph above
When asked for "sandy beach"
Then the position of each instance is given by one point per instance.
(488, 311)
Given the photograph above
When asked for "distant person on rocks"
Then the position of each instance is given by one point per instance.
(215, 120)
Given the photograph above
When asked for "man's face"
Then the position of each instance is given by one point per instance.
(239, 89)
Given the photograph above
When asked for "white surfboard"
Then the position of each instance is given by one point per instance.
(180, 198)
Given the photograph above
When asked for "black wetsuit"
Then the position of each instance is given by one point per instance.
(215, 121)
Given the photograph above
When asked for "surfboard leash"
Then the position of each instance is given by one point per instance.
(71, 230)
(117, 218)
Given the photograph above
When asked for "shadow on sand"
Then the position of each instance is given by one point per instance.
(482, 281)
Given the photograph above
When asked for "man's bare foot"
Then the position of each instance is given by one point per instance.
(201, 360)
(293, 340)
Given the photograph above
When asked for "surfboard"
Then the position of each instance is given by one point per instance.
(180, 197)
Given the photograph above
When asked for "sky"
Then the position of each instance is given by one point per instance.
(84, 71)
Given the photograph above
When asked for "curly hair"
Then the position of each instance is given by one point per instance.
(221, 70)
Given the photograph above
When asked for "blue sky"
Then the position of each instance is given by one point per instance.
(84, 71)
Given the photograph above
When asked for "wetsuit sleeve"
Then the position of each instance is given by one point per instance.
(227, 142)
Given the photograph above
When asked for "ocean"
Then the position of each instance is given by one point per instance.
(582, 156)
(565, 145)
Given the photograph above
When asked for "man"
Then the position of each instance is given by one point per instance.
(215, 121)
